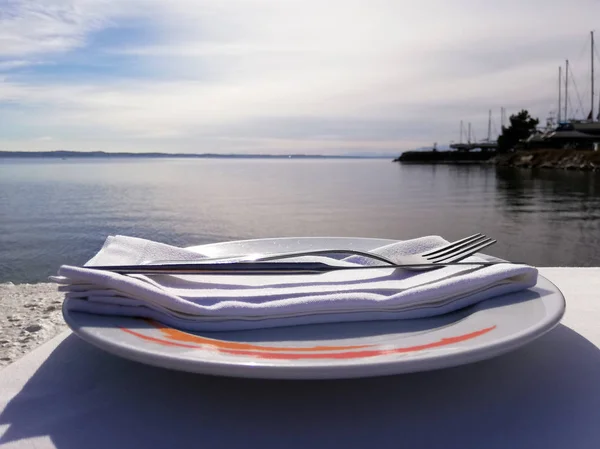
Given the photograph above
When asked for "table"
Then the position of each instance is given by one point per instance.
(69, 395)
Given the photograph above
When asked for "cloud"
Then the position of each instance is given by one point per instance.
(30, 27)
(13, 64)
(215, 75)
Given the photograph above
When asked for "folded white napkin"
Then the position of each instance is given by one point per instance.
(235, 302)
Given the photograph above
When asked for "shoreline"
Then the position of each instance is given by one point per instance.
(444, 157)
(584, 160)
(31, 315)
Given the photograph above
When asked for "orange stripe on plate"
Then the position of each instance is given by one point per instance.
(267, 352)
(366, 353)
(157, 340)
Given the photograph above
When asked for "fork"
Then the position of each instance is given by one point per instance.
(452, 252)
(449, 254)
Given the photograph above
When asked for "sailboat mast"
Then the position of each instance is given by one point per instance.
(566, 115)
(461, 131)
(469, 136)
(490, 127)
(592, 55)
(559, 92)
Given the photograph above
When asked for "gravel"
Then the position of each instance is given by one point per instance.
(30, 314)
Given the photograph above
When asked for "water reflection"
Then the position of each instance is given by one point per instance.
(564, 195)
(557, 211)
(54, 212)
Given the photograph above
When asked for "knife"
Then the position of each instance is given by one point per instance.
(263, 268)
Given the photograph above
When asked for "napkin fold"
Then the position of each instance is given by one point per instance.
(238, 302)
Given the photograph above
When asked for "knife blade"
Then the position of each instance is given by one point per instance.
(263, 268)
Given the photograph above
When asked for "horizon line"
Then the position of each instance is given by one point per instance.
(74, 153)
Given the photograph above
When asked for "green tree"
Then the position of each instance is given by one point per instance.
(522, 125)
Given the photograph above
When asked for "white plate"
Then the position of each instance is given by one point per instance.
(342, 350)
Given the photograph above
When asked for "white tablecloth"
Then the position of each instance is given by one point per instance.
(70, 395)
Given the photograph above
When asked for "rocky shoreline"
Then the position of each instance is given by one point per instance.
(539, 158)
(555, 158)
(31, 314)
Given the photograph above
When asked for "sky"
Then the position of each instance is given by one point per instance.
(282, 76)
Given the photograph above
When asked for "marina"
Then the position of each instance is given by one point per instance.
(562, 129)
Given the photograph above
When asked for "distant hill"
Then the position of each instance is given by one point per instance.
(103, 154)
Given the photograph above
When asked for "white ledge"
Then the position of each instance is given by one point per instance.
(30, 313)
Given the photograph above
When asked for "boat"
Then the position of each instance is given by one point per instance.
(588, 127)
(483, 145)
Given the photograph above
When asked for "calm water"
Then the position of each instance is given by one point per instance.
(60, 211)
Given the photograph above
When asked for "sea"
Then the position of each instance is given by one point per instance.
(55, 211)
